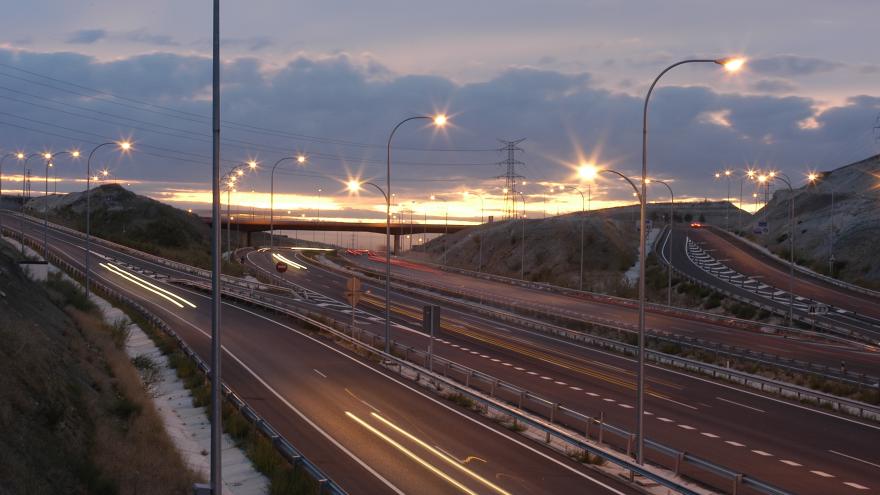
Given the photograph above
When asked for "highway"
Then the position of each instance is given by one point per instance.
(756, 276)
(778, 442)
(369, 431)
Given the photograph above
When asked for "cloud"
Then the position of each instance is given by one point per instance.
(339, 108)
(792, 65)
(144, 37)
(773, 86)
(87, 36)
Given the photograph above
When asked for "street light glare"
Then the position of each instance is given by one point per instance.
(732, 64)
(301, 159)
(812, 177)
(587, 171)
(74, 153)
(20, 156)
(252, 164)
(47, 156)
(353, 185)
(240, 172)
(125, 145)
(440, 120)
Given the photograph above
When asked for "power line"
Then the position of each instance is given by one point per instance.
(184, 115)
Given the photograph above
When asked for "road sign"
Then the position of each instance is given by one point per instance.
(818, 309)
(281, 267)
(353, 297)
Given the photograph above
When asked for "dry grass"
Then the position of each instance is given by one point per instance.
(131, 448)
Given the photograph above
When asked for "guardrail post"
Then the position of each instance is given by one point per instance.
(737, 480)
(629, 442)
(678, 460)
(601, 426)
(553, 408)
(521, 398)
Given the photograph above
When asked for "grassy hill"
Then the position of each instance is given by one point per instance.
(552, 252)
(852, 224)
(121, 216)
(74, 416)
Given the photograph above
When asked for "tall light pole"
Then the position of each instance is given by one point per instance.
(522, 262)
(49, 159)
(439, 121)
(23, 179)
(216, 384)
(354, 186)
(124, 146)
(731, 64)
(583, 220)
(671, 225)
(482, 217)
(300, 159)
(785, 180)
(750, 175)
(446, 223)
(814, 178)
(19, 155)
(228, 180)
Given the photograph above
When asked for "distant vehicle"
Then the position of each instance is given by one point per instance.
(696, 225)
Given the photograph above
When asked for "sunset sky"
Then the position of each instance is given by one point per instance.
(300, 78)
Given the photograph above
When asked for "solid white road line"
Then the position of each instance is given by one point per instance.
(318, 372)
(854, 458)
(741, 405)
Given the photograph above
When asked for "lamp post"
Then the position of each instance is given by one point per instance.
(124, 146)
(750, 175)
(814, 178)
(446, 223)
(522, 262)
(785, 180)
(300, 159)
(583, 219)
(671, 225)
(49, 159)
(730, 64)
(18, 155)
(23, 179)
(439, 121)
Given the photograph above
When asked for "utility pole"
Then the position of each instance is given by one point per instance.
(510, 177)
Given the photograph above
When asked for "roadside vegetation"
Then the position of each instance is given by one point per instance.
(74, 414)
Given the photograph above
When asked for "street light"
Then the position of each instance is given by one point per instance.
(785, 180)
(439, 120)
(815, 178)
(583, 220)
(522, 262)
(671, 225)
(49, 159)
(446, 223)
(18, 155)
(731, 64)
(229, 180)
(23, 185)
(300, 159)
(125, 147)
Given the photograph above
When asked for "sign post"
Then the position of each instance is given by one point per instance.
(431, 325)
(281, 267)
(353, 294)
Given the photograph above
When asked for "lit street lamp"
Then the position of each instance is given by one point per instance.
(124, 146)
(300, 159)
(49, 159)
(731, 65)
(522, 263)
(785, 180)
(446, 223)
(671, 225)
(19, 155)
(439, 121)
(23, 186)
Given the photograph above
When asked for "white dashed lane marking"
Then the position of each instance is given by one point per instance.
(546, 378)
(855, 485)
(790, 463)
(576, 388)
(735, 444)
(591, 394)
(710, 435)
(665, 420)
(687, 427)
(762, 453)
(625, 406)
(823, 474)
(559, 383)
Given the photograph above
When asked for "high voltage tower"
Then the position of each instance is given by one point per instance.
(510, 177)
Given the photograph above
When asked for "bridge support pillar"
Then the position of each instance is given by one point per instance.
(396, 249)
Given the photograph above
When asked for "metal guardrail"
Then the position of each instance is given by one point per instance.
(559, 421)
(436, 292)
(821, 322)
(806, 271)
(282, 445)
